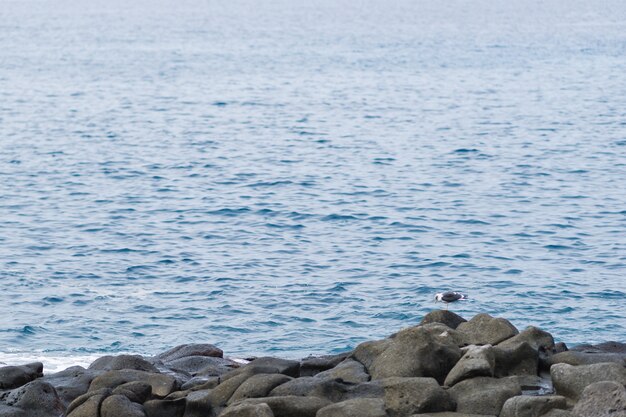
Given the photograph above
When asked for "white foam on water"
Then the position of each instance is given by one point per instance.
(51, 362)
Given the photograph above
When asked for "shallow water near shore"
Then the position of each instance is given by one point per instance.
(292, 178)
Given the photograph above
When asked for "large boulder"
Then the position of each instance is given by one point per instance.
(406, 396)
(290, 406)
(204, 365)
(116, 363)
(136, 391)
(284, 366)
(604, 347)
(248, 410)
(183, 351)
(484, 395)
(349, 371)
(532, 406)
(602, 399)
(313, 365)
(538, 339)
(71, 382)
(477, 361)
(165, 408)
(259, 385)
(311, 386)
(518, 359)
(483, 329)
(162, 385)
(88, 404)
(423, 351)
(570, 381)
(357, 407)
(450, 414)
(16, 376)
(446, 317)
(576, 358)
(119, 405)
(37, 398)
(220, 395)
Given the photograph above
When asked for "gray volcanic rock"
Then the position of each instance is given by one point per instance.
(198, 404)
(136, 391)
(284, 366)
(162, 385)
(248, 410)
(71, 383)
(8, 411)
(558, 413)
(87, 402)
(315, 364)
(519, 359)
(445, 317)
(477, 361)
(532, 406)
(538, 339)
(483, 329)
(119, 405)
(349, 371)
(311, 386)
(606, 347)
(259, 385)
(16, 376)
(484, 395)
(357, 407)
(205, 365)
(116, 363)
(422, 351)
(570, 381)
(165, 408)
(290, 406)
(602, 399)
(183, 351)
(199, 383)
(406, 396)
(572, 357)
(38, 398)
(451, 414)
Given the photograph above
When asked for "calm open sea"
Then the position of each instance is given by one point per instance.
(294, 177)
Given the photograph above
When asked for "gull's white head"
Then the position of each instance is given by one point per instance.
(439, 297)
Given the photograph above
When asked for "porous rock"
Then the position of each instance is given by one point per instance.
(165, 408)
(116, 363)
(8, 411)
(162, 385)
(311, 386)
(248, 410)
(518, 359)
(259, 385)
(422, 351)
(119, 405)
(605, 347)
(136, 391)
(205, 365)
(406, 396)
(220, 395)
(576, 358)
(290, 406)
(349, 371)
(484, 395)
(198, 404)
(450, 414)
(558, 413)
(313, 365)
(483, 329)
(284, 366)
(538, 339)
(199, 383)
(88, 405)
(477, 361)
(357, 407)
(37, 397)
(570, 381)
(531, 406)
(446, 317)
(71, 382)
(16, 376)
(182, 351)
(602, 399)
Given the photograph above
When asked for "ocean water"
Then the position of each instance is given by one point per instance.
(296, 177)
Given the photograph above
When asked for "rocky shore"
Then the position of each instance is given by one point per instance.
(446, 367)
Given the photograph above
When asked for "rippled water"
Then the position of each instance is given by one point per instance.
(295, 177)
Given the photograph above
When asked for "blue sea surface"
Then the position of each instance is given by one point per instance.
(296, 177)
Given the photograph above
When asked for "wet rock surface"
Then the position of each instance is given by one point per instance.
(444, 367)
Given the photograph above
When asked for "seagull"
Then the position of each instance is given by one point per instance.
(450, 297)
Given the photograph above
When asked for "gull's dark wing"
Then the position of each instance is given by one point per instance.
(450, 296)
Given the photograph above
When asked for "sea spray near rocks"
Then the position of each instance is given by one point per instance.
(444, 366)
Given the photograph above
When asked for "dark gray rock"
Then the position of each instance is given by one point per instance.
(136, 391)
(423, 351)
(284, 366)
(315, 364)
(220, 395)
(446, 317)
(71, 383)
(357, 407)
(484, 395)
(291, 406)
(183, 351)
(16, 376)
(162, 385)
(483, 329)
(532, 406)
(198, 404)
(570, 381)
(87, 403)
(602, 399)
(519, 359)
(349, 371)
(201, 383)
(8, 411)
(257, 386)
(450, 414)
(576, 358)
(538, 339)
(205, 365)
(248, 410)
(406, 396)
(311, 386)
(606, 347)
(477, 361)
(165, 408)
(558, 413)
(38, 398)
(115, 363)
(118, 406)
